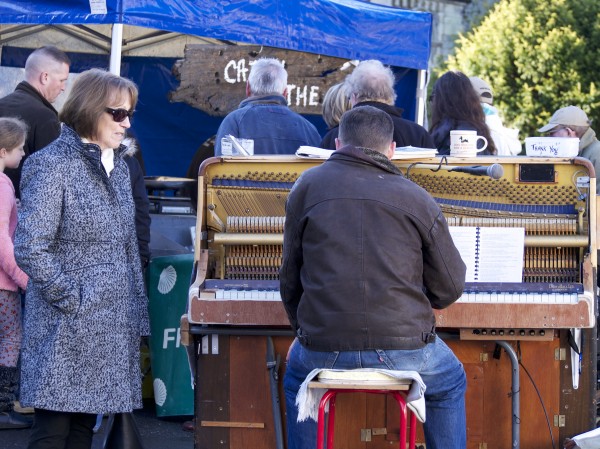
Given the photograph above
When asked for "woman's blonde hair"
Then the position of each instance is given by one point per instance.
(335, 103)
(12, 133)
(92, 92)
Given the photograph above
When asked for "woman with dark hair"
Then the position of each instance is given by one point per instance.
(455, 106)
(85, 308)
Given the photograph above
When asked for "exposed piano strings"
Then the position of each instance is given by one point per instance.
(253, 205)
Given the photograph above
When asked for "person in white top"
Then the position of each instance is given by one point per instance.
(506, 139)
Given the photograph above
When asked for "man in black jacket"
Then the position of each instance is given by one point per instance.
(372, 84)
(46, 73)
(367, 255)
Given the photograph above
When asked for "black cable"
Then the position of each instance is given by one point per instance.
(443, 160)
(539, 397)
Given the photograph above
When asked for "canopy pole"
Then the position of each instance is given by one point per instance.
(115, 48)
(421, 93)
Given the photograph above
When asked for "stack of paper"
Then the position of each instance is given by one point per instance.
(306, 151)
(400, 153)
(413, 152)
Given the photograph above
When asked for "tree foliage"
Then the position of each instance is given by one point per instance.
(538, 56)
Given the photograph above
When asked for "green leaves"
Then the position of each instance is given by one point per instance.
(538, 56)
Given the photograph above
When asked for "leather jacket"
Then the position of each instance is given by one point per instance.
(367, 255)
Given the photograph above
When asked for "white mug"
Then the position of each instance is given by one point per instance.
(464, 143)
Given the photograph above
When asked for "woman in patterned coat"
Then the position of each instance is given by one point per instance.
(85, 305)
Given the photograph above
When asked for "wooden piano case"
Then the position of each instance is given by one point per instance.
(236, 393)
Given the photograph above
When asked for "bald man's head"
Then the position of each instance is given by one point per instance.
(47, 70)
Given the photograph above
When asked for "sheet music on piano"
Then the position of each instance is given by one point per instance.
(490, 254)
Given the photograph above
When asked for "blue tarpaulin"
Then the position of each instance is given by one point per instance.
(343, 28)
(170, 133)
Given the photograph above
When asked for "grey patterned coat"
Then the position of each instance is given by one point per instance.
(85, 307)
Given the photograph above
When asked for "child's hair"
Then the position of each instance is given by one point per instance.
(12, 132)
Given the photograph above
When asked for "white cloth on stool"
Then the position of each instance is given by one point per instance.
(588, 440)
(308, 399)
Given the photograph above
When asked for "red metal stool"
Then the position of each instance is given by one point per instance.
(397, 389)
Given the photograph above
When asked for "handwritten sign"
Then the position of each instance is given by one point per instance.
(551, 146)
(213, 77)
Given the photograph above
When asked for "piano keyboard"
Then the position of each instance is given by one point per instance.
(480, 298)
(247, 295)
(484, 292)
(521, 293)
(519, 298)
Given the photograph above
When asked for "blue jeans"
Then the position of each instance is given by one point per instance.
(443, 374)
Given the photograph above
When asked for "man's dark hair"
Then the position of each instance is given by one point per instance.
(367, 127)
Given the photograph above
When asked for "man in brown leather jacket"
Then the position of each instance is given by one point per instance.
(367, 255)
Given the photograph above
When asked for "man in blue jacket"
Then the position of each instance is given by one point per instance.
(264, 124)
(367, 255)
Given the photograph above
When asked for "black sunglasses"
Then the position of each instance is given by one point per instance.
(119, 115)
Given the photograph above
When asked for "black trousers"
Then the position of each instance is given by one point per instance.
(61, 430)
(9, 380)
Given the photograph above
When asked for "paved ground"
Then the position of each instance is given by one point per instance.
(157, 433)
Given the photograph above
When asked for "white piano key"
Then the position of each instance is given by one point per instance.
(256, 295)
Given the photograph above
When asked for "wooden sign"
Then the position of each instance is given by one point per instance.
(213, 77)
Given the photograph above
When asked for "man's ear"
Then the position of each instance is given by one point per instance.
(248, 91)
(43, 78)
(338, 144)
(391, 150)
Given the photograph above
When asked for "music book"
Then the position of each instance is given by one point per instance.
(490, 254)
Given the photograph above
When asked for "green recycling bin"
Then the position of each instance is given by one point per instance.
(168, 280)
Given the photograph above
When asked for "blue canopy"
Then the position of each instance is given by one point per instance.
(343, 28)
(346, 29)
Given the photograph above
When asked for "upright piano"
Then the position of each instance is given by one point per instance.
(525, 383)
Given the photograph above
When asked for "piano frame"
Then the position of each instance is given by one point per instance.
(230, 340)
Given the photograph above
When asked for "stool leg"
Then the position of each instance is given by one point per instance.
(321, 418)
(331, 421)
(403, 419)
(412, 438)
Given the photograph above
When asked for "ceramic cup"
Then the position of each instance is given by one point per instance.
(464, 143)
